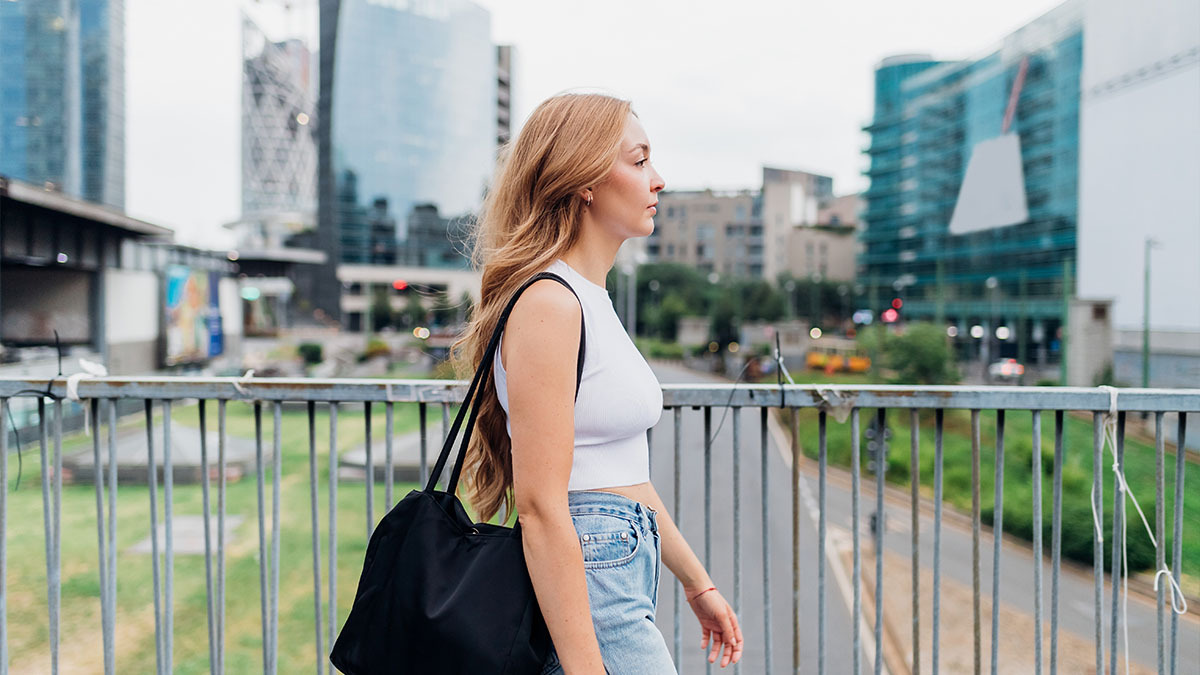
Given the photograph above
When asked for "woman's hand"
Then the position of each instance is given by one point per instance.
(718, 626)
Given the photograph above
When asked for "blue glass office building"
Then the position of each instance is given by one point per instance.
(62, 96)
(929, 118)
(408, 116)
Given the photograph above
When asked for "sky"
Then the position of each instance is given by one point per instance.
(721, 88)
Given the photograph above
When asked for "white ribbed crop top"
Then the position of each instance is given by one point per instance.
(619, 396)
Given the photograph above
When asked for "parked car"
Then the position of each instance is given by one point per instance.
(1006, 370)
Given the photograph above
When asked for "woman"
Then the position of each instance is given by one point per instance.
(576, 183)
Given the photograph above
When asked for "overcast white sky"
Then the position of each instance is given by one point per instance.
(722, 87)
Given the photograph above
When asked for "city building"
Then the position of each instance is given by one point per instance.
(793, 226)
(1139, 171)
(362, 285)
(821, 252)
(717, 232)
(790, 200)
(409, 110)
(971, 213)
(434, 241)
(62, 96)
(97, 284)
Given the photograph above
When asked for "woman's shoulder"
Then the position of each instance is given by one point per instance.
(546, 305)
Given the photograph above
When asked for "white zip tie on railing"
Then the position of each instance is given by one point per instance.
(244, 379)
(1110, 439)
(90, 369)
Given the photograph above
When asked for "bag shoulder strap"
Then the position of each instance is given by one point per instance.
(474, 392)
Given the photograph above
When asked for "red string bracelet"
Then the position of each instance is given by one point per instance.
(710, 588)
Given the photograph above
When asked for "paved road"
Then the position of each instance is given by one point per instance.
(779, 537)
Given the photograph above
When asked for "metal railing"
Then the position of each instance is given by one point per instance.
(328, 398)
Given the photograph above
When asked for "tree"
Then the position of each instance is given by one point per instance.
(414, 312)
(444, 313)
(920, 354)
(665, 318)
(381, 309)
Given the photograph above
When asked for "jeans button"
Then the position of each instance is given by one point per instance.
(586, 537)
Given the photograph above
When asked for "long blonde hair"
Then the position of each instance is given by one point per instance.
(530, 217)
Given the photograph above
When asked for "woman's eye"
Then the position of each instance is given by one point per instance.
(642, 162)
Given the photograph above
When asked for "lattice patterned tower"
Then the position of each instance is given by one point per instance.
(279, 152)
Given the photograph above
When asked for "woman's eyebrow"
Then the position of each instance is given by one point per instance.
(640, 146)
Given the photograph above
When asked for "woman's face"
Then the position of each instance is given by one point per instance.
(624, 203)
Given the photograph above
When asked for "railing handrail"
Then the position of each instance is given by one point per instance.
(963, 397)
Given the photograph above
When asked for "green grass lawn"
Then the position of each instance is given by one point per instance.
(80, 638)
(1018, 471)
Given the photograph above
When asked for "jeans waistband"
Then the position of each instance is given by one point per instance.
(595, 501)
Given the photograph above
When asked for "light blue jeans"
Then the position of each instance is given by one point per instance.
(623, 561)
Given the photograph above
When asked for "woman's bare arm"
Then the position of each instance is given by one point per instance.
(540, 348)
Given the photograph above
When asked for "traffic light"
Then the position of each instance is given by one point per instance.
(897, 303)
(400, 285)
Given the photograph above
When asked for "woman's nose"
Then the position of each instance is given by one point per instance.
(658, 183)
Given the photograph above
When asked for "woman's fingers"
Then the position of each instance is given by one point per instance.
(704, 633)
(733, 639)
(717, 643)
(733, 651)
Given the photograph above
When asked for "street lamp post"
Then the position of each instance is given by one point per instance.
(1150, 243)
(988, 326)
(814, 300)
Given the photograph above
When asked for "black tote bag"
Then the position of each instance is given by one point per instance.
(439, 593)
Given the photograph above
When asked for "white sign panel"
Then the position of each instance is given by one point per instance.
(993, 188)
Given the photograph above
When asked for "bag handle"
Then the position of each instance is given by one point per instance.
(470, 400)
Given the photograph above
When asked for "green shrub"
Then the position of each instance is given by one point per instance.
(666, 350)
(311, 352)
(376, 347)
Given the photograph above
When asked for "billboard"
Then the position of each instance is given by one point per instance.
(193, 316)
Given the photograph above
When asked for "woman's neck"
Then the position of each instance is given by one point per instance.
(592, 260)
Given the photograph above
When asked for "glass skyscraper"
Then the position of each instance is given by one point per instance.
(409, 103)
(62, 96)
(939, 124)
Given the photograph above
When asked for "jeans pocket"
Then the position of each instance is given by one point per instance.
(606, 540)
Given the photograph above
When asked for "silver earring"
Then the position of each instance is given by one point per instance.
(589, 201)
